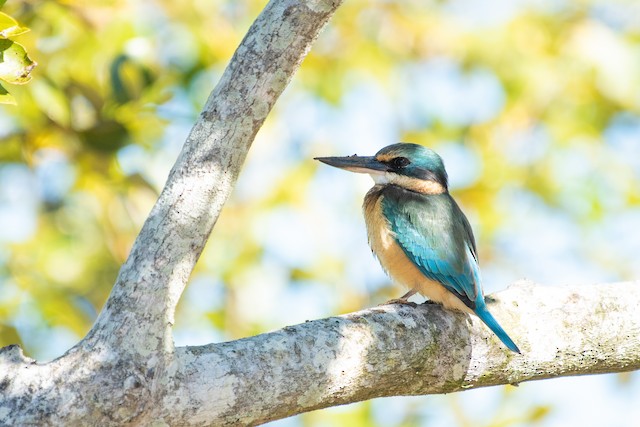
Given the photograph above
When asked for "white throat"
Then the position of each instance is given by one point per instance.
(423, 186)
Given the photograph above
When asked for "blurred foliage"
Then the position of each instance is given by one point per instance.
(15, 64)
(538, 101)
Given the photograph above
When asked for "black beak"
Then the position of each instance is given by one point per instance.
(359, 164)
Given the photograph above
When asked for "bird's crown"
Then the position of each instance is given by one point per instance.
(415, 161)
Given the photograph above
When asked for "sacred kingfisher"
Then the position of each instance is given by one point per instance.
(418, 232)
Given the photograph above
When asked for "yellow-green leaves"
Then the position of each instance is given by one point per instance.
(9, 27)
(15, 64)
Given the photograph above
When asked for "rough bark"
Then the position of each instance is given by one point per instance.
(400, 350)
(383, 351)
(112, 376)
(153, 277)
(127, 371)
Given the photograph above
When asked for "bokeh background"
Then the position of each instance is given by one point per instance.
(533, 104)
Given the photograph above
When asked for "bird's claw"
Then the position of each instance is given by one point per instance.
(402, 301)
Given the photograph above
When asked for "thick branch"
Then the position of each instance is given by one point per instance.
(115, 375)
(383, 351)
(400, 350)
(141, 306)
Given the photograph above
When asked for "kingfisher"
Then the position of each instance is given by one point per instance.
(418, 232)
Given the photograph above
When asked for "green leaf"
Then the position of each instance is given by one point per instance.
(2, 2)
(9, 27)
(15, 64)
(6, 97)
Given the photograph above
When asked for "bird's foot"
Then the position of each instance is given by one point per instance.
(402, 301)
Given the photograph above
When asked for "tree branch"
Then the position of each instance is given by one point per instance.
(384, 351)
(112, 375)
(399, 350)
(141, 306)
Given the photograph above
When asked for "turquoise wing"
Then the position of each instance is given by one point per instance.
(436, 236)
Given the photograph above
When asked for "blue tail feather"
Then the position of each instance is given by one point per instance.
(488, 319)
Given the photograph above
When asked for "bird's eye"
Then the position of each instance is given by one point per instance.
(400, 162)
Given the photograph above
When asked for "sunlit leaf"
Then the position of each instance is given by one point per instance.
(9, 27)
(6, 97)
(15, 64)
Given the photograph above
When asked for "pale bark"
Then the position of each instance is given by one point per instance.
(383, 351)
(400, 350)
(127, 371)
(113, 374)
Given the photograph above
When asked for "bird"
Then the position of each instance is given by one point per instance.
(418, 232)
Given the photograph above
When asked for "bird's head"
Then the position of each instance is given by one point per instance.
(411, 166)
